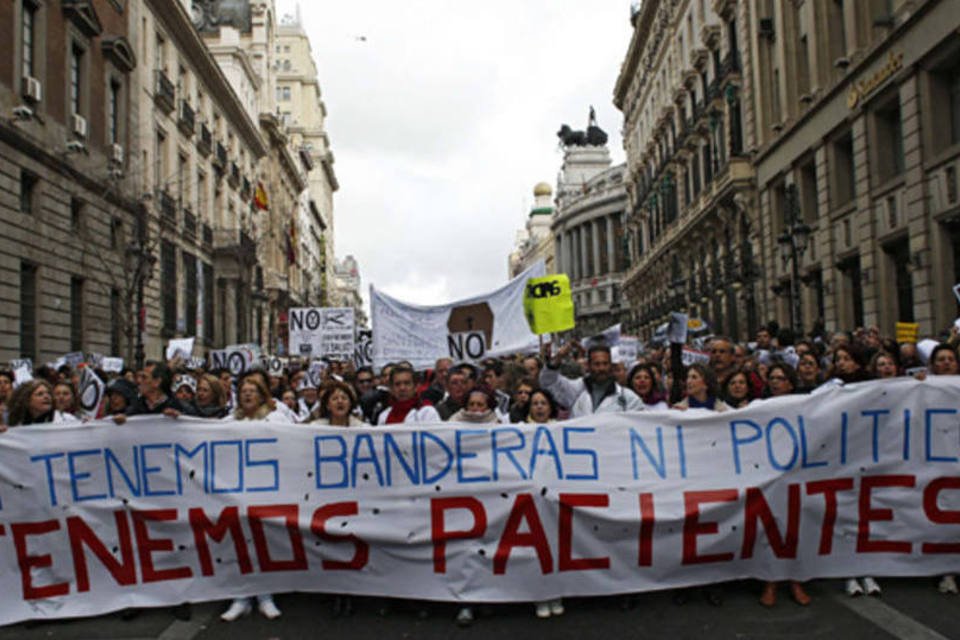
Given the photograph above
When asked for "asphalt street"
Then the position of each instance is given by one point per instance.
(909, 609)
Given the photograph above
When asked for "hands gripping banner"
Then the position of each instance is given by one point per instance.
(97, 517)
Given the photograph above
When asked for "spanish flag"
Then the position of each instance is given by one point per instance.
(260, 197)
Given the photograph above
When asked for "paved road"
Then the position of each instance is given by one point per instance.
(910, 609)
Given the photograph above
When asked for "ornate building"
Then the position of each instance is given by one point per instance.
(858, 150)
(588, 228)
(692, 226)
(346, 289)
(535, 242)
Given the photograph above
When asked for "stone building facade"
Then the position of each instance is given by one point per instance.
(67, 199)
(588, 233)
(683, 90)
(864, 148)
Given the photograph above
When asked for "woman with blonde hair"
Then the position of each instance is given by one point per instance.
(32, 403)
(211, 400)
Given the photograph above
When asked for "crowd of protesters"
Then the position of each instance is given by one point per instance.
(572, 380)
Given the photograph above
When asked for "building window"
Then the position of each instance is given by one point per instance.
(190, 293)
(28, 311)
(201, 194)
(208, 306)
(808, 192)
(888, 140)
(945, 105)
(843, 170)
(113, 113)
(28, 26)
(160, 165)
(76, 214)
(76, 78)
(76, 314)
(116, 311)
(116, 234)
(160, 54)
(285, 91)
(168, 288)
(28, 188)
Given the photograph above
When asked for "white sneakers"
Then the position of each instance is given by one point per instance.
(242, 607)
(870, 587)
(547, 608)
(948, 584)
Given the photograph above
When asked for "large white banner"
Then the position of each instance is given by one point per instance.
(470, 329)
(864, 479)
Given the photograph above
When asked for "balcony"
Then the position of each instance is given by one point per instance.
(164, 94)
(235, 244)
(187, 120)
(234, 177)
(205, 141)
(168, 209)
(220, 157)
(189, 224)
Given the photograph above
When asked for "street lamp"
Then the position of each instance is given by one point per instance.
(143, 264)
(793, 244)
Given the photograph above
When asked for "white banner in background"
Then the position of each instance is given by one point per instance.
(482, 326)
(856, 480)
(322, 332)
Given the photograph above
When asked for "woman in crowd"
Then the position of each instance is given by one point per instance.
(808, 372)
(848, 364)
(480, 408)
(701, 390)
(882, 365)
(520, 400)
(543, 407)
(32, 403)
(336, 406)
(735, 391)
(211, 400)
(289, 399)
(782, 381)
(65, 399)
(644, 380)
(255, 403)
(120, 396)
(185, 390)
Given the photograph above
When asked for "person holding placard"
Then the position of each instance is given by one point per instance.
(597, 392)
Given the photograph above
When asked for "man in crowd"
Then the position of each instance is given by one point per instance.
(456, 394)
(597, 392)
(405, 406)
(154, 382)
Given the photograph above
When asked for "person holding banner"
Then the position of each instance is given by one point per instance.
(65, 399)
(480, 408)
(404, 406)
(336, 406)
(597, 392)
(154, 382)
(32, 403)
(883, 365)
(644, 379)
(6, 391)
(254, 403)
(211, 399)
(308, 402)
(701, 390)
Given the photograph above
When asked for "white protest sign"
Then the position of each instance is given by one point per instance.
(273, 365)
(677, 329)
(690, 356)
(74, 358)
(112, 365)
(95, 360)
(609, 336)
(194, 363)
(236, 358)
(90, 391)
(21, 375)
(956, 292)
(322, 332)
(18, 363)
(925, 349)
(363, 351)
(790, 488)
(628, 349)
(488, 325)
(180, 348)
(315, 372)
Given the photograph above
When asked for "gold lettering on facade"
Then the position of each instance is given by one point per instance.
(863, 88)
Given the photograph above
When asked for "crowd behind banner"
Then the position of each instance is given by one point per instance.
(564, 381)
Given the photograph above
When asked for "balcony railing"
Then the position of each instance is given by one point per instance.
(187, 120)
(235, 243)
(165, 94)
(168, 208)
(189, 224)
(205, 141)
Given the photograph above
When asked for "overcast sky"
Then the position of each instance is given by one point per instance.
(442, 115)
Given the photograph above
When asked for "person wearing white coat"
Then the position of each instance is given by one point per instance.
(254, 403)
(597, 392)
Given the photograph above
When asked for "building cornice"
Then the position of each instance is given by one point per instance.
(628, 70)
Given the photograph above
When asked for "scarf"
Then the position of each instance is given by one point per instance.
(706, 404)
(653, 398)
(400, 408)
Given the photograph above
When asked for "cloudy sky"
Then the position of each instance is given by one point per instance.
(443, 114)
